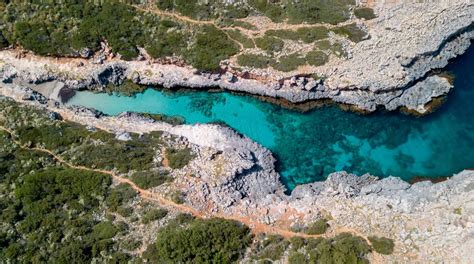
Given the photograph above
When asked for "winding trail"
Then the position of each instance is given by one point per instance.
(254, 225)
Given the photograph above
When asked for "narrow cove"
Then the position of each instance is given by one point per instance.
(311, 145)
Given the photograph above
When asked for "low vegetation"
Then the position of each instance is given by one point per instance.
(289, 62)
(270, 44)
(201, 241)
(304, 11)
(317, 228)
(254, 60)
(178, 158)
(150, 179)
(365, 13)
(305, 34)
(351, 31)
(154, 215)
(317, 58)
(271, 247)
(238, 36)
(382, 245)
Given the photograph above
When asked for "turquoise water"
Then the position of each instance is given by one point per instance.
(311, 145)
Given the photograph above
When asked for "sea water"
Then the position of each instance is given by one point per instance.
(311, 145)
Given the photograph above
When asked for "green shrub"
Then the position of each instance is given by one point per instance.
(297, 258)
(177, 197)
(104, 230)
(297, 242)
(119, 195)
(323, 45)
(235, 23)
(317, 228)
(154, 214)
(254, 60)
(150, 179)
(124, 211)
(352, 31)
(130, 245)
(202, 241)
(241, 38)
(317, 11)
(210, 47)
(304, 11)
(310, 35)
(272, 247)
(289, 62)
(283, 34)
(3, 41)
(317, 58)
(365, 13)
(183, 218)
(270, 44)
(338, 50)
(382, 245)
(178, 158)
(344, 248)
(312, 243)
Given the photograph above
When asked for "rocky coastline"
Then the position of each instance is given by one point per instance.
(234, 176)
(395, 68)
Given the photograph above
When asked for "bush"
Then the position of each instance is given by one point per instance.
(317, 11)
(130, 245)
(382, 245)
(178, 158)
(177, 197)
(3, 41)
(150, 179)
(310, 35)
(297, 258)
(254, 60)
(352, 31)
(283, 34)
(202, 241)
(344, 248)
(241, 38)
(272, 247)
(119, 195)
(104, 230)
(323, 45)
(317, 58)
(289, 63)
(154, 214)
(297, 242)
(270, 44)
(210, 47)
(365, 13)
(317, 228)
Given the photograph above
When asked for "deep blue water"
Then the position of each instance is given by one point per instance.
(311, 145)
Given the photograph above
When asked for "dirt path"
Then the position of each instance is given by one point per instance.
(255, 226)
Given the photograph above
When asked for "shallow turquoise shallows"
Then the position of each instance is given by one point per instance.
(309, 146)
